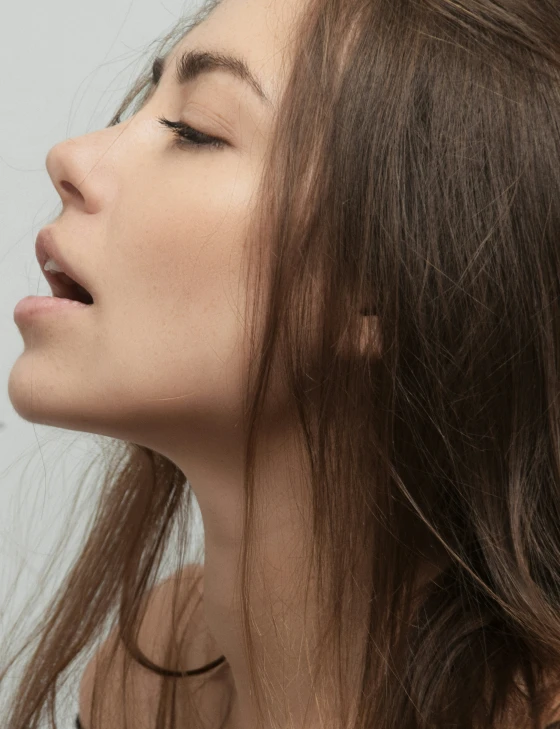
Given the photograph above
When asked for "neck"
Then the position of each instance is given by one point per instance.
(285, 638)
(283, 605)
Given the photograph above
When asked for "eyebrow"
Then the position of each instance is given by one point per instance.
(193, 63)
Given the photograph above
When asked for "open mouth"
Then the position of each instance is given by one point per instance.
(63, 287)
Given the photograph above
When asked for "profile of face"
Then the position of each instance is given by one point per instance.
(157, 227)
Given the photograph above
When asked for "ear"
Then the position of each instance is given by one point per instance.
(369, 338)
(370, 335)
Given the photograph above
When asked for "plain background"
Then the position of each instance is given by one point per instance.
(65, 67)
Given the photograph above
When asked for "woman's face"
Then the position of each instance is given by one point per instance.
(158, 230)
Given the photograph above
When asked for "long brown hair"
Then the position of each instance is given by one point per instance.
(413, 182)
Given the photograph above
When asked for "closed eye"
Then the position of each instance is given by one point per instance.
(192, 137)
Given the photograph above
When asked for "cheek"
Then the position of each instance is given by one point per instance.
(172, 325)
(183, 245)
(164, 353)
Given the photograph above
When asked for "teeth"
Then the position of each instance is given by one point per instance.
(50, 265)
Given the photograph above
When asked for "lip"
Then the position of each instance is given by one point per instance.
(46, 248)
(33, 308)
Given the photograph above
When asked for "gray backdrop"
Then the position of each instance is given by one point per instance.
(65, 65)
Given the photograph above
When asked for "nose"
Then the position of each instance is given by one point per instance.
(64, 170)
(82, 170)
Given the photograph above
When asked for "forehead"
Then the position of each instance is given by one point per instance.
(259, 31)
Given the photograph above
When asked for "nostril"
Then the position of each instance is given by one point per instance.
(69, 187)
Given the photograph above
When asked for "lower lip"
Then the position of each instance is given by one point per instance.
(33, 306)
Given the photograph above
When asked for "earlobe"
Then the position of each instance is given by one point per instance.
(369, 339)
(370, 335)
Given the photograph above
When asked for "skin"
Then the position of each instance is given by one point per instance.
(158, 360)
(158, 232)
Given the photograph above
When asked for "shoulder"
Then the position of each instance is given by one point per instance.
(153, 639)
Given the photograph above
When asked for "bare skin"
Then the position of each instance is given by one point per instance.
(158, 360)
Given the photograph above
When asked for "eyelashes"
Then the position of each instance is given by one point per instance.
(191, 137)
(185, 134)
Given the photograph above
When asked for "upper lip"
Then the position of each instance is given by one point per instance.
(45, 249)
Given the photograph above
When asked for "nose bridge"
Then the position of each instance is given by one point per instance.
(83, 165)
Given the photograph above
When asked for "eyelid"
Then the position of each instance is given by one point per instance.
(185, 134)
(214, 124)
(224, 130)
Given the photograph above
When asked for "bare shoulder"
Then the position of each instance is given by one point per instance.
(142, 685)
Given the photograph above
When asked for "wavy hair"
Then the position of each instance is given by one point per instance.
(410, 206)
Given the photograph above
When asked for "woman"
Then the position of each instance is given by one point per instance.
(325, 284)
